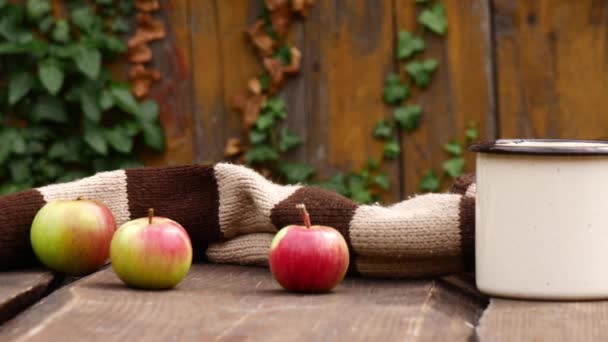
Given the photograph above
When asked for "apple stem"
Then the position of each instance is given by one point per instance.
(150, 215)
(79, 198)
(305, 215)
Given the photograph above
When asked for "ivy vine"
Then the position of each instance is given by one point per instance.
(62, 113)
(269, 140)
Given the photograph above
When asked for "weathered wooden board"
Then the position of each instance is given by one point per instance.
(510, 320)
(234, 303)
(348, 48)
(173, 93)
(20, 289)
(461, 89)
(222, 65)
(551, 70)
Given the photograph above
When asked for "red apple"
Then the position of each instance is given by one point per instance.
(151, 252)
(73, 237)
(308, 258)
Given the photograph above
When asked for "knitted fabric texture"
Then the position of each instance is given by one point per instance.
(232, 213)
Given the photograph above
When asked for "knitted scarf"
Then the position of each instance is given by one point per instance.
(232, 213)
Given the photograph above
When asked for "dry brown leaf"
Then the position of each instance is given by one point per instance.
(294, 65)
(147, 5)
(280, 18)
(260, 39)
(249, 107)
(148, 29)
(273, 4)
(302, 6)
(141, 79)
(255, 86)
(275, 69)
(233, 148)
(139, 53)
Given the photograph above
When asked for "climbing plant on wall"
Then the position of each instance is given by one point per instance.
(63, 114)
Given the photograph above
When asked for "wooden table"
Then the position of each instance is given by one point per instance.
(220, 302)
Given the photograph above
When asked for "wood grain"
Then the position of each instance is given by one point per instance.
(551, 71)
(173, 93)
(510, 320)
(237, 303)
(222, 65)
(347, 49)
(461, 89)
(20, 289)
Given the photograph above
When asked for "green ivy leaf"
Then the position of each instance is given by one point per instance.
(119, 25)
(453, 147)
(36, 9)
(119, 139)
(260, 154)
(434, 19)
(408, 45)
(49, 108)
(83, 17)
(429, 182)
(283, 54)
(257, 137)
(61, 31)
(154, 136)
(264, 81)
(89, 106)
(335, 183)
(275, 106)
(124, 99)
(296, 172)
(45, 24)
(372, 163)
(383, 129)
(106, 100)
(288, 140)
(20, 170)
(454, 167)
(51, 75)
(114, 44)
(264, 122)
(382, 181)
(391, 149)
(149, 111)
(358, 190)
(471, 132)
(408, 117)
(421, 72)
(19, 85)
(18, 144)
(94, 137)
(394, 90)
(88, 60)
(12, 187)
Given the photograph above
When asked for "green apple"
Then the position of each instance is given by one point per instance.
(74, 236)
(151, 252)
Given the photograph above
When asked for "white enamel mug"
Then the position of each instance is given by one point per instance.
(542, 219)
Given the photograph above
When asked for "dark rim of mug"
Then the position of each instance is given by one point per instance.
(563, 147)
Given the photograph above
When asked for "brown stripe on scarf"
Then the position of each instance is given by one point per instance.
(186, 194)
(467, 232)
(462, 183)
(325, 208)
(18, 211)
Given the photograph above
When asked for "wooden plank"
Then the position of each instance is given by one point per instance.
(20, 289)
(347, 49)
(460, 91)
(510, 320)
(551, 74)
(173, 92)
(223, 62)
(234, 303)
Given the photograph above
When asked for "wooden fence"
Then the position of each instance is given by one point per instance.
(518, 68)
